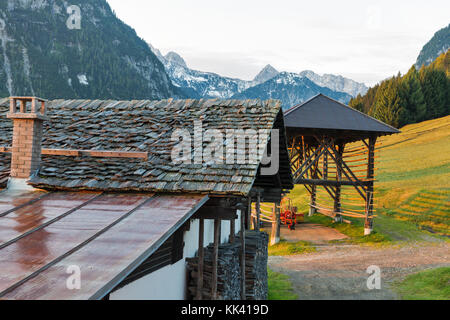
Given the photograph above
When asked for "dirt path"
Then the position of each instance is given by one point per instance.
(311, 232)
(339, 271)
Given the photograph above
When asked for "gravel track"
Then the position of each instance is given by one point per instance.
(338, 272)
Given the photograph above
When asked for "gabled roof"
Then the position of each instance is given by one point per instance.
(322, 112)
(144, 126)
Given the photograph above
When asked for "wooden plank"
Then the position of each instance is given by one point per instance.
(201, 258)
(89, 153)
(216, 212)
(275, 234)
(243, 296)
(250, 221)
(232, 230)
(258, 211)
(368, 224)
(320, 182)
(217, 224)
(337, 199)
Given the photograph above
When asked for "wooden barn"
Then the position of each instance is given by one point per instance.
(93, 207)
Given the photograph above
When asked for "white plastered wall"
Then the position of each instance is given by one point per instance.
(169, 283)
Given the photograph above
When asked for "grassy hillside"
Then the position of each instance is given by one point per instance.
(412, 191)
(426, 285)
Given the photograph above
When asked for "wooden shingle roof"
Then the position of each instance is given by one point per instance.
(143, 126)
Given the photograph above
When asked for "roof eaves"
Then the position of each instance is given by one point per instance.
(365, 115)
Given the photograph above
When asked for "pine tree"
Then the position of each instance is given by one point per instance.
(357, 103)
(435, 86)
(388, 102)
(414, 108)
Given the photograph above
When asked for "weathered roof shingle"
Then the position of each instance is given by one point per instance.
(144, 126)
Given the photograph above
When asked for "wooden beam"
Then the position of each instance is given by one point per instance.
(88, 153)
(337, 200)
(215, 259)
(357, 182)
(312, 159)
(215, 212)
(258, 211)
(199, 295)
(320, 182)
(232, 230)
(250, 220)
(243, 295)
(368, 224)
(275, 234)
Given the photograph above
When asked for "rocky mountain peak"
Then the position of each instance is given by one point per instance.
(267, 73)
(173, 57)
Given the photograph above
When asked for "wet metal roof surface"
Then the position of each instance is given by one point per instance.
(106, 235)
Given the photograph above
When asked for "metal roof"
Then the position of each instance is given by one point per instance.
(322, 112)
(106, 235)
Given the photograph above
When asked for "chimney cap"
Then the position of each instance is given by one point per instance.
(28, 98)
(37, 112)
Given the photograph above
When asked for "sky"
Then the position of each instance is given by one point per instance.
(367, 41)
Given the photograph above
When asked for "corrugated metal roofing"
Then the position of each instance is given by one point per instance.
(143, 126)
(322, 112)
(106, 235)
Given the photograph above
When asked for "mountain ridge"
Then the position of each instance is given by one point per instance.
(291, 89)
(200, 84)
(104, 58)
(437, 45)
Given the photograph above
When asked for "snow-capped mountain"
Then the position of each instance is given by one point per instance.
(291, 89)
(336, 83)
(267, 73)
(198, 84)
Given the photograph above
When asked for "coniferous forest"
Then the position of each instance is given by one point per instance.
(416, 96)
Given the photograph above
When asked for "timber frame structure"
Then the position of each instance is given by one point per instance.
(333, 146)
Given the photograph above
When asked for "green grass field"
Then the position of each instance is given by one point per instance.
(280, 288)
(285, 248)
(426, 285)
(412, 191)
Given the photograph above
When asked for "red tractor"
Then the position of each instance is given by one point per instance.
(288, 213)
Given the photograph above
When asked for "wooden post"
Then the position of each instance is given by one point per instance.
(275, 236)
(312, 209)
(250, 221)
(337, 199)
(368, 225)
(215, 259)
(232, 231)
(258, 211)
(243, 295)
(325, 166)
(199, 295)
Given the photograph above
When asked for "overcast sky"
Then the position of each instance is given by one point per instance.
(367, 41)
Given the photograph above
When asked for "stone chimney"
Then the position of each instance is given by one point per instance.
(27, 135)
